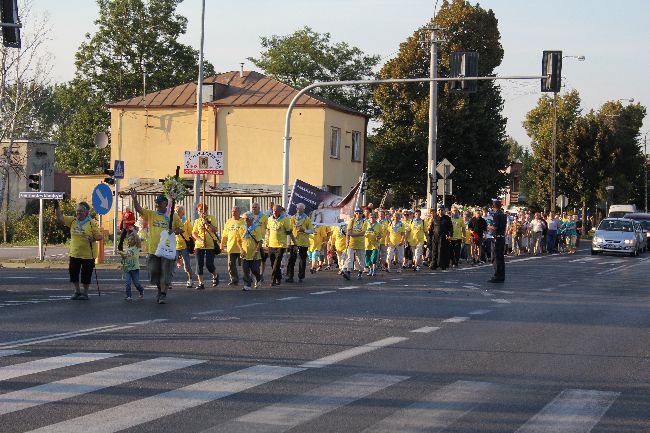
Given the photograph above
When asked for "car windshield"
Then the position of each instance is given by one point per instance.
(615, 226)
(645, 224)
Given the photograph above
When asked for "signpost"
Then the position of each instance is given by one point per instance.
(203, 162)
(118, 173)
(445, 168)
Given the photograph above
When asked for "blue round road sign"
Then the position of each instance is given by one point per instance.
(102, 199)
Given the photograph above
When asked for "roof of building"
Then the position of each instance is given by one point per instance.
(252, 89)
(157, 188)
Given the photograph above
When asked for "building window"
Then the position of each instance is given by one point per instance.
(335, 143)
(243, 203)
(356, 146)
(334, 189)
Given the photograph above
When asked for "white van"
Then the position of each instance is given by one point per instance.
(619, 210)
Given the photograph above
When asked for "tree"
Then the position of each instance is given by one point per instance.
(539, 126)
(479, 152)
(135, 50)
(306, 56)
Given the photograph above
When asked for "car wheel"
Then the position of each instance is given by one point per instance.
(593, 253)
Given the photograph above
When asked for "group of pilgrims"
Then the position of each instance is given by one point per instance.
(370, 242)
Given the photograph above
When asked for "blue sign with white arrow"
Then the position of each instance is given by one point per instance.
(102, 199)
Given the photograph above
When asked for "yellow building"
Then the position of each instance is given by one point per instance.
(243, 116)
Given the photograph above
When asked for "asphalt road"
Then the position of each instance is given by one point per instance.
(562, 346)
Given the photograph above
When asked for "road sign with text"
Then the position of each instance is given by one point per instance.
(203, 162)
(43, 195)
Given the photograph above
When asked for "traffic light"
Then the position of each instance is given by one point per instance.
(111, 176)
(464, 64)
(9, 15)
(552, 69)
(35, 181)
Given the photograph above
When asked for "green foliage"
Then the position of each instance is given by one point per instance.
(134, 39)
(25, 227)
(479, 152)
(305, 57)
(36, 112)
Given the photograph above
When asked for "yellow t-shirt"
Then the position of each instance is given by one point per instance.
(395, 233)
(79, 242)
(303, 221)
(459, 227)
(261, 220)
(279, 229)
(187, 233)
(416, 234)
(374, 234)
(157, 223)
(229, 233)
(357, 226)
(249, 239)
(204, 238)
(339, 239)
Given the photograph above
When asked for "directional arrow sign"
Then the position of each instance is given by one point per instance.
(102, 199)
(440, 168)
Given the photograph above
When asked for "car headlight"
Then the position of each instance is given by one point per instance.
(597, 239)
(630, 241)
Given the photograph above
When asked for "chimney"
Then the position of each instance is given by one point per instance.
(241, 70)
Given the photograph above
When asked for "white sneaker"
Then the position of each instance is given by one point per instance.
(246, 288)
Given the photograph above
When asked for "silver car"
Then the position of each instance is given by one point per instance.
(616, 235)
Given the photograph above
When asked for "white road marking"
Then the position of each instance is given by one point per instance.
(289, 298)
(487, 294)
(201, 313)
(456, 319)
(547, 289)
(396, 279)
(500, 301)
(11, 352)
(376, 283)
(426, 329)
(323, 292)
(46, 364)
(281, 417)
(437, 410)
(91, 382)
(148, 322)
(583, 259)
(623, 267)
(479, 312)
(348, 288)
(470, 287)
(171, 402)
(350, 353)
(249, 305)
(64, 334)
(572, 411)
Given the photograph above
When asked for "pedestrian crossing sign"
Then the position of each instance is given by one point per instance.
(118, 167)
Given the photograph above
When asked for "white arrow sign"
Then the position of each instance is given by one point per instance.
(103, 200)
(440, 168)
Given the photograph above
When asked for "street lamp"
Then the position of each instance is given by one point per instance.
(554, 138)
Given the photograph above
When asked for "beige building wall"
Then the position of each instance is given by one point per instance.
(343, 171)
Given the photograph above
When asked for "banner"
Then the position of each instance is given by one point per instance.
(322, 207)
(203, 162)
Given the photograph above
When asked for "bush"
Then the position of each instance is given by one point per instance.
(25, 227)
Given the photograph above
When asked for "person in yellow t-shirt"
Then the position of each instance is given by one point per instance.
(249, 240)
(373, 236)
(301, 227)
(339, 245)
(205, 235)
(416, 238)
(457, 236)
(279, 227)
(322, 235)
(384, 221)
(160, 268)
(182, 252)
(356, 244)
(261, 219)
(395, 240)
(84, 231)
(229, 244)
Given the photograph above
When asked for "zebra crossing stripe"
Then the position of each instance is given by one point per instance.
(437, 410)
(355, 351)
(171, 402)
(281, 417)
(74, 386)
(572, 411)
(11, 352)
(47, 364)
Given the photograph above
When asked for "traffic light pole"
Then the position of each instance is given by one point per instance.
(432, 196)
(553, 151)
(40, 220)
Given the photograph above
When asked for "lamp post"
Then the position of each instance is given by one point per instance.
(554, 137)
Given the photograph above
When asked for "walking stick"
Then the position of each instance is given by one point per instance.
(94, 267)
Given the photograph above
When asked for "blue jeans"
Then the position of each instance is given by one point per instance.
(134, 276)
(550, 241)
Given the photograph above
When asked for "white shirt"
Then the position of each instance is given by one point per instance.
(536, 226)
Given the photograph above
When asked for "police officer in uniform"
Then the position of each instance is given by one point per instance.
(434, 239)
(498, 227)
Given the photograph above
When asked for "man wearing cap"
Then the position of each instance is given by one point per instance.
(160, 268)
(499, 223)
(301, 227)
(356, 244)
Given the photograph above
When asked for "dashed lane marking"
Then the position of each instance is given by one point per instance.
(289, 298)
(322, 292)
(426, 329)
(501, 301)
(457, 319)
(479, 312)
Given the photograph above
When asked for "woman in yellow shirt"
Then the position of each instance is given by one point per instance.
(249, 240)
(395, 239)
(204, 233)
(84, 231)
(182, 253)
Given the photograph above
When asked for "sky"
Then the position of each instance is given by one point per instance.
(613, 36)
